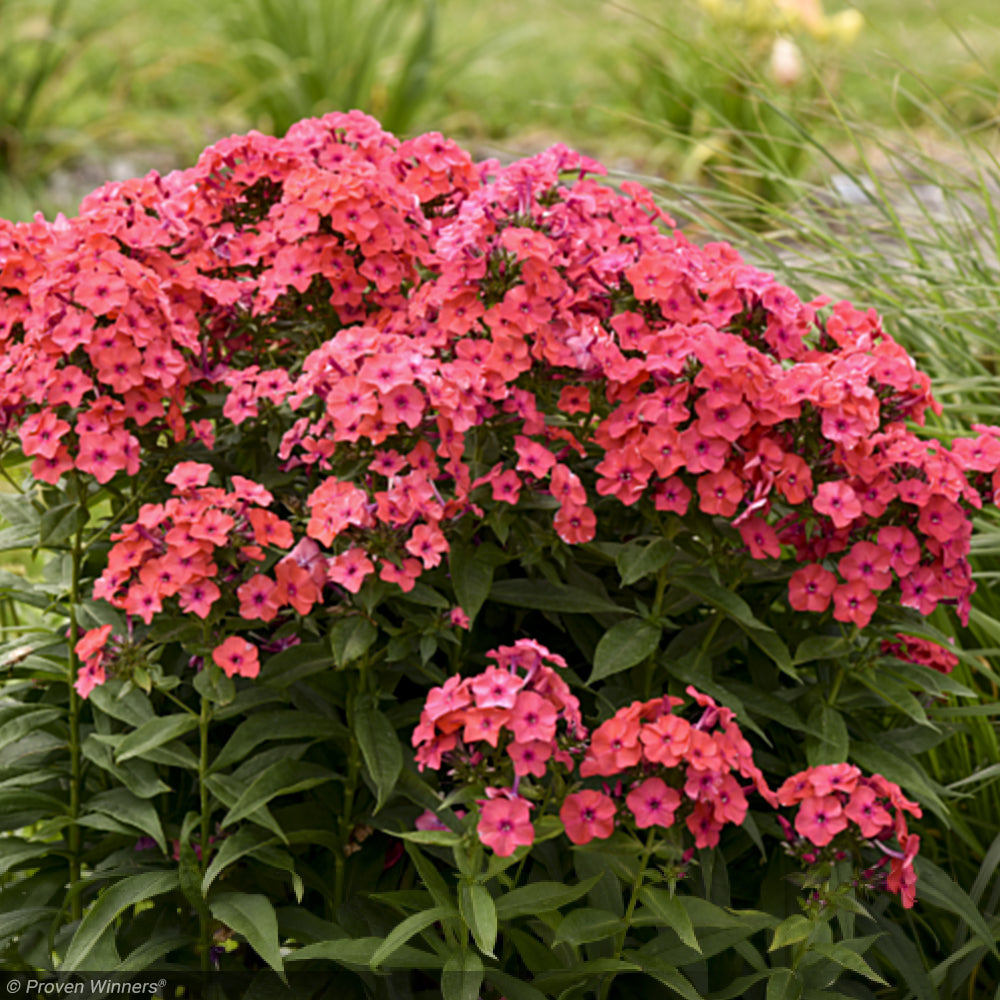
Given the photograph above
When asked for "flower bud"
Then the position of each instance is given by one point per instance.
(786, 62)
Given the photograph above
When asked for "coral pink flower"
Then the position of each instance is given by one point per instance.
(588, 814)
(504, 825)
(829, 778)
(428, 820)
(839, 502)
(760, 538)
(703, 825)
(350, 569)
(93, 642)
(811, 588)
(237, 657)
(428, 544)
(653, 803)
(865, 810)
(902, 878)
(530, 757)
(295, 586)
(496, 688)
(533, 718)
(189, 475)
(258, 598)
(820, 818)
(854, 602)
(575, 524)
(89, 676)
(449, 697)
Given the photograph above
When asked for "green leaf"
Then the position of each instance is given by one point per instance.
(562, 979)
(150, 952)
(122, 806)
(542, 595)
(936, 887)
(111, 902)
(897, 695)
(511, 988)
(411, 926)
(784, 984)
(759, 702)
(291, 665)
(667, 974)
(480, 914)
(670, 911)
(154, 734)
(188, 870)
(17, 537)
(623, 646)
(791, 930)
(635, 561)
(820, 647)
(359, 951)
(280, 725)
(283, 777)
(730, 604)
(462, 976)
(899, 767)
(252, 916)
(233, 848)
(587, 925)
(849, 959)
(59, 523)
(212, 683)
(380, 747)
(472, 568)
(27, 719)
(735, 608)
(20, 920)
(138, 776)
(541, 897)
(14, 850)
(896, 947)
(432, 838)
(739, 987)
(431, 877)
(19, 510)
(132, 707)
(351, 638)
(827, 741)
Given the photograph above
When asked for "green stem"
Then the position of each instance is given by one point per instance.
(647, 853)
(838, 679)
(75, 754)
(649, 668)
(205, 924)
(347, 811)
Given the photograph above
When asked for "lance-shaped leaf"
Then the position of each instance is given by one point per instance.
(283, 777)
(383, 756)
(624, 645)
(154, 733)
(111, 902)
(252, 916)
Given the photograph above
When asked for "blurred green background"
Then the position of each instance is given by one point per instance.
(99, 89)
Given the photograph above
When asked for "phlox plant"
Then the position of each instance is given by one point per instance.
(381, 491)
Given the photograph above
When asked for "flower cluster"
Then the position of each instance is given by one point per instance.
(839, 807)
(520, 707)
(665, 768)
(921, 651)
(667, 763)
(414, 297)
